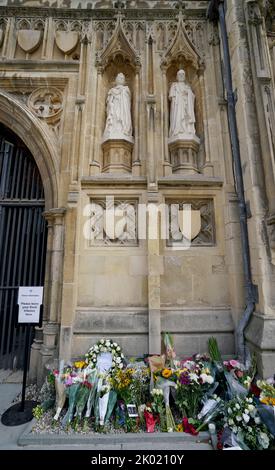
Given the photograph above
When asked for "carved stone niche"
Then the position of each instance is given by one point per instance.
(185, 150)
(119, 57)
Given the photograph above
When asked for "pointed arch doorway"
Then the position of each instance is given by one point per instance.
(23, 239)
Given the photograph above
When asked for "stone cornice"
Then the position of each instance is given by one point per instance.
(99, 14)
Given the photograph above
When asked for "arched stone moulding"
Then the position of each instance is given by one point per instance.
(17, 117)
(20, 120)
(118, 57)
(182, 54)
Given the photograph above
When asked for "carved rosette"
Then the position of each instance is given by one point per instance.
(46, 104)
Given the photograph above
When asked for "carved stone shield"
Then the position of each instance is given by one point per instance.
(29, 39)
(66, 41)
(189, 223)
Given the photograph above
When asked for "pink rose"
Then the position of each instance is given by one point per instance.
(234, 363)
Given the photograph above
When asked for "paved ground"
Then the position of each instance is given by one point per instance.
(9, 435)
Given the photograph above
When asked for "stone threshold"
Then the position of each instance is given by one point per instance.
(28, 438)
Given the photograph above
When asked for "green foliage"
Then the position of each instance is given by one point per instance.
(213, 349)
(38, 412)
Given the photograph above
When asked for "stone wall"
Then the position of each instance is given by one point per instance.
(57, 65)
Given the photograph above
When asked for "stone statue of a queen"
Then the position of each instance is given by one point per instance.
(118, 108)
(182, 115)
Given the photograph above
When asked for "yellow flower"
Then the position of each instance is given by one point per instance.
(180, 428)
(80, 364)
(166, 373)
(268, 401)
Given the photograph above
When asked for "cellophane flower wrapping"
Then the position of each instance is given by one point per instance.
(211, 409)
(60, 397)
(267, 415)
(169, 347)
(165, 385)
(242, 417)
(92, 379)
(150, 421)
(71, 391)
(82, 396)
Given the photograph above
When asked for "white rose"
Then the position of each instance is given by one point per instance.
(102, 341)
(203, 377)
(120, 365)
(230, 422)
(193, 377)
(246, 417)
(108, 344)
(250, 399)
(246, 411)
(235, 429)
(238, 418)
(118, 348)
(118, 360)
(229, 411)
(122, 355)
(210, 379)
(115, 345)
(257, 420)
(237, 406)
(263, 440)
(113, 364)
(251, 407)
(249, 428)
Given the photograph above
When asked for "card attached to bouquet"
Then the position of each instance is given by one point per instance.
(132, 411)
(104, 362)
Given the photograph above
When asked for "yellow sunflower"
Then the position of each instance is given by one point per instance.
(166, 373)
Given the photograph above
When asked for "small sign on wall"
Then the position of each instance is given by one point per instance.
(29, 304)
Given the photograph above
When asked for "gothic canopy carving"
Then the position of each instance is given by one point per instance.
(182, 47)
(118, 46)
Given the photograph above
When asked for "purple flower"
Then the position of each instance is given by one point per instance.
(184, 378)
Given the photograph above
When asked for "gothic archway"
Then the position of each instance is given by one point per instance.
(19, 119)
(23, 239)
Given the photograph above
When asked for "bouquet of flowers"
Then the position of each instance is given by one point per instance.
(140, 378)
(194, 379)
(266, 407)
(242, 418)
(121, 381)
(82, 396)
(169, 347)
(105, 346)
(150, 419)
(267, 395)
(158, 406)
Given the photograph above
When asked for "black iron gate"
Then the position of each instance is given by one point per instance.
(23, 236)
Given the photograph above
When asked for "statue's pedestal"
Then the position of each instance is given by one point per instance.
(117, 156)
(184, 155)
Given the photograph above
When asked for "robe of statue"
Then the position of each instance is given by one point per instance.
(182, 116)
(119, 121)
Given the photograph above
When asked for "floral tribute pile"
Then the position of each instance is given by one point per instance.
(163, 394)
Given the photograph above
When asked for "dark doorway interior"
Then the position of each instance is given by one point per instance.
(23, 237)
